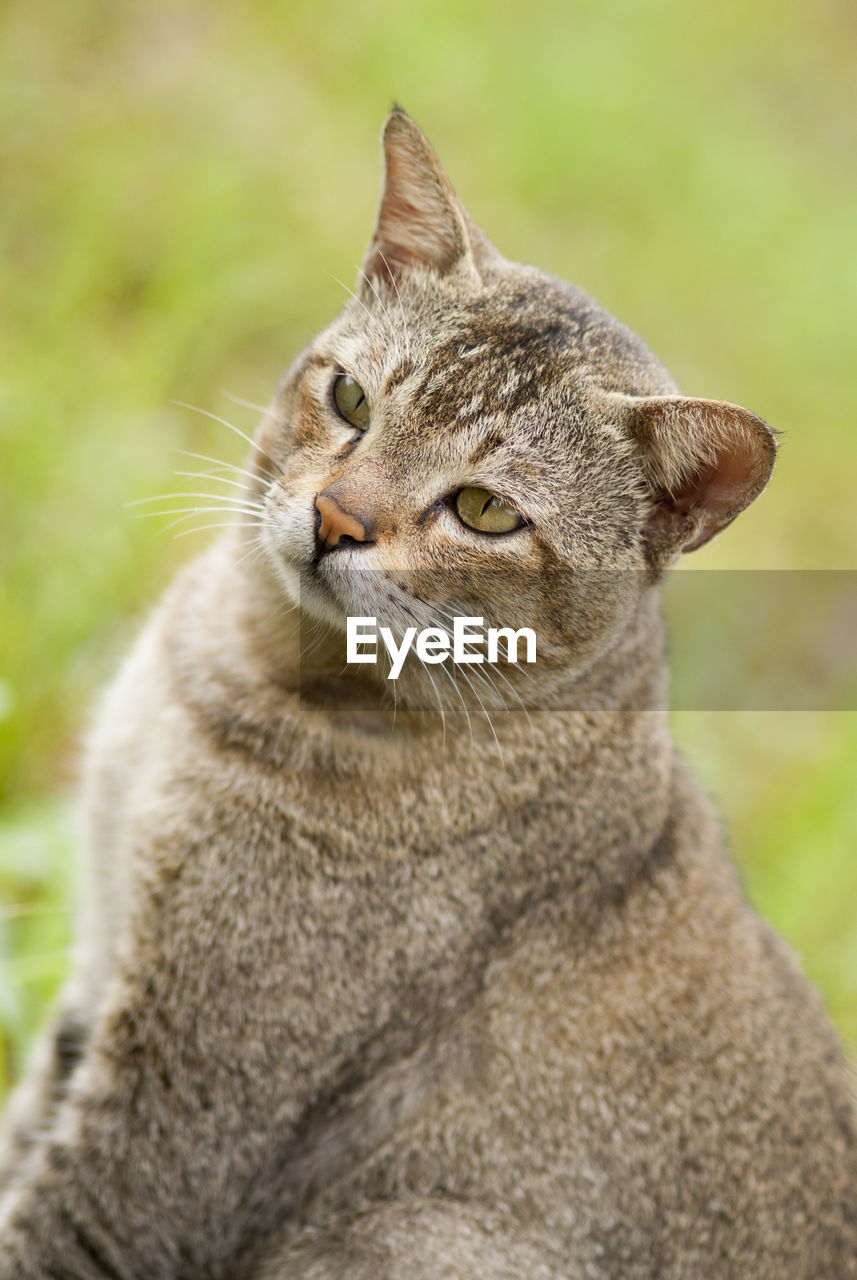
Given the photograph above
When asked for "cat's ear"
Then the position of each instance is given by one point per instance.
(704, 460)
(421, 222)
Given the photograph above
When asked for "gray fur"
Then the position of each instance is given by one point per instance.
(367, 996)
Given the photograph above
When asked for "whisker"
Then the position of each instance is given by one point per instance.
(479, 672)
(210, 472)
(182, 511)
(496, 670)
(447, 615)
(229, 524)
(395, 707)
(401, 308)
(355, 296)
(248, 404)
(187, 513)
(215, 417)
(449, 674)
(410, 615)
(209, 475)
(438, 697)
(502, 675)
(487, 717)
(236, 506)
(218, 462)
(380, 299)
(159, 497)
(256, 548)
(283, 605)
(308, 650)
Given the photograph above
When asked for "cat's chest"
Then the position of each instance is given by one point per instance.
(317, 938)
(335, 878)
(294, 883)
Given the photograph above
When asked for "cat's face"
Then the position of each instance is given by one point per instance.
(475, 437)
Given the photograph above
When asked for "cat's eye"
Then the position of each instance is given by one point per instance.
(351, 402)
(484, 511)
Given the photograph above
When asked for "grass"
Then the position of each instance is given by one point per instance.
(183, 182)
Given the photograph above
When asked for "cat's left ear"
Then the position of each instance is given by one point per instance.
(704, 461)
(421, 222)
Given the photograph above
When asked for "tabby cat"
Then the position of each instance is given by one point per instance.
(460, 982)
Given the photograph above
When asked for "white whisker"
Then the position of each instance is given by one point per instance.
(229, 524)
(184, 493)
(180, 511)
(355, 296)
(248, 404)
(496, 670)
(256, 548)
(444, 614)
(401, 307)
(215, 417)
(209, 475)
(187, 513)
(380, 299)
(439, 699)
(449, 674)
(395, 707)
(487, 717)
(237, 507)
(218, 462)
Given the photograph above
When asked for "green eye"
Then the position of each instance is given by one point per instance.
(483, 511)
(350, 401)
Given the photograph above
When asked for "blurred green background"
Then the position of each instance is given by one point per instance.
(183, 180)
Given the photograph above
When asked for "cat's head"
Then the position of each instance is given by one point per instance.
(475, 436)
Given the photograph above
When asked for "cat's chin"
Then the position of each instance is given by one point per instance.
(331, 593)
(306, 588)
(317, 599)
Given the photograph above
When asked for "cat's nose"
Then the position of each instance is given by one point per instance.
(336, 524)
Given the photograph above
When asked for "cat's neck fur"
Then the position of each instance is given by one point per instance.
(602, 774)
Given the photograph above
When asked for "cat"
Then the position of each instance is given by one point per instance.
(367, 988)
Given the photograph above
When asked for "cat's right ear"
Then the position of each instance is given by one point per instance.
(421, 222)
(704, 462)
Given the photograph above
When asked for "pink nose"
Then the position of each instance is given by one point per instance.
(336, 524)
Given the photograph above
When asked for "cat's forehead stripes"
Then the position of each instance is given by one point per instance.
(487, 445)
(309, 360)
(309, 420)
(490, 368)
(399, 375)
